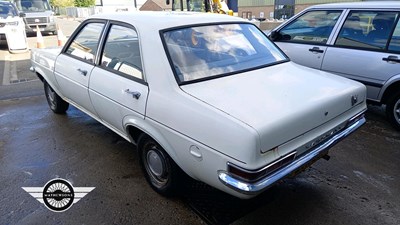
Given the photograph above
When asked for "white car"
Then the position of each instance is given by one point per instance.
(359, 40)
(205, 94)
(12, 27)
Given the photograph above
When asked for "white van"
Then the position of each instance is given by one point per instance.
(12, 28)
(38, 14)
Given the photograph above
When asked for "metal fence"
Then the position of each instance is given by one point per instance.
(75, 11)
(80, 12)
(83, 12)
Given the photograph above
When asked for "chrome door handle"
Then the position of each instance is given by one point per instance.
(83, 72)
(316, 50)
(391, 59)
(135, 94)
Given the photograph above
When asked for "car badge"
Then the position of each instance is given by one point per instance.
(354, 99)
(37, 20)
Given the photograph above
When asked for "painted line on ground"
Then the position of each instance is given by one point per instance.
(6, 72)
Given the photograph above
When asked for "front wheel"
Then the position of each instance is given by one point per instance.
(393, 110)
(160, 170)
(56, 103)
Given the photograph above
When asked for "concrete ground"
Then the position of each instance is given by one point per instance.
(358, 185)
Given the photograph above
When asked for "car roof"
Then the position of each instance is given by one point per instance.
(166, 19)
(360, 5)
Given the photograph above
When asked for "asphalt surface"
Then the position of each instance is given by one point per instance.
(358, 185)
(37, 146)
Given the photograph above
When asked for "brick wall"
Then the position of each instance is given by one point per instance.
(255, 11)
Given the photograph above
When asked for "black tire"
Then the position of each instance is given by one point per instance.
(164, 176)
(56, 103)
(393, 110)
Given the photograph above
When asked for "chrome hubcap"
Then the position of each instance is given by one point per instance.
(155, 163)
(396, 111)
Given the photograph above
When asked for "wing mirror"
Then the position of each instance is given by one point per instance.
(274, 35)
(22, 14)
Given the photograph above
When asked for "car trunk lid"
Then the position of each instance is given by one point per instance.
(280, 102)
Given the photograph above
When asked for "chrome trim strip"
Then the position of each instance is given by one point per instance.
(255, 188)
(357, 115)
(291, 154)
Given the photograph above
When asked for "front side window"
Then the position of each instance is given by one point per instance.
(367, 29)
(121, 52)
(205, 52)
(84, 45)
(311, 27)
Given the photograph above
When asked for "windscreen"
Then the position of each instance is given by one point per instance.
(204, 52)
(7, 10)
(32, 5)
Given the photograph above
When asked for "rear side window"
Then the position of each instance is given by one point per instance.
(311, 27)
(121, 52)
(84, 45)
(395, 41)
(367, 29)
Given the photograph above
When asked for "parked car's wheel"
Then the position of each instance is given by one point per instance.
(393, 110)
(56, 103)
(160, 170)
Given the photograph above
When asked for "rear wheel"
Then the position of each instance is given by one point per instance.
(393, 110)
(160, 170)
(56, 103)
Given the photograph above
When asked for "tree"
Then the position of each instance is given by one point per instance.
(85, 3)
(62, 3)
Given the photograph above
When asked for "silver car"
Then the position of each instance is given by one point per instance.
(359, 40)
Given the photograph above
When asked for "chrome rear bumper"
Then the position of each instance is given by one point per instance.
(254, 188)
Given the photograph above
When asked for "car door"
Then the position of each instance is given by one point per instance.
(117, 86)
(74, 65)
(364, 49)
(304, 38)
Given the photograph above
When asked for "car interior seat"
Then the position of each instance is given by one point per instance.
(382, 24)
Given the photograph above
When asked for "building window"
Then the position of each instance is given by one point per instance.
(247, 15)
(284, 9)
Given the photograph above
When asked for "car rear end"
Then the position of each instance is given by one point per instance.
(293, 156)
(295, 123)
(296, 113)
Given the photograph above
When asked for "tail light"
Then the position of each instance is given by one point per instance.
(254, 175)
